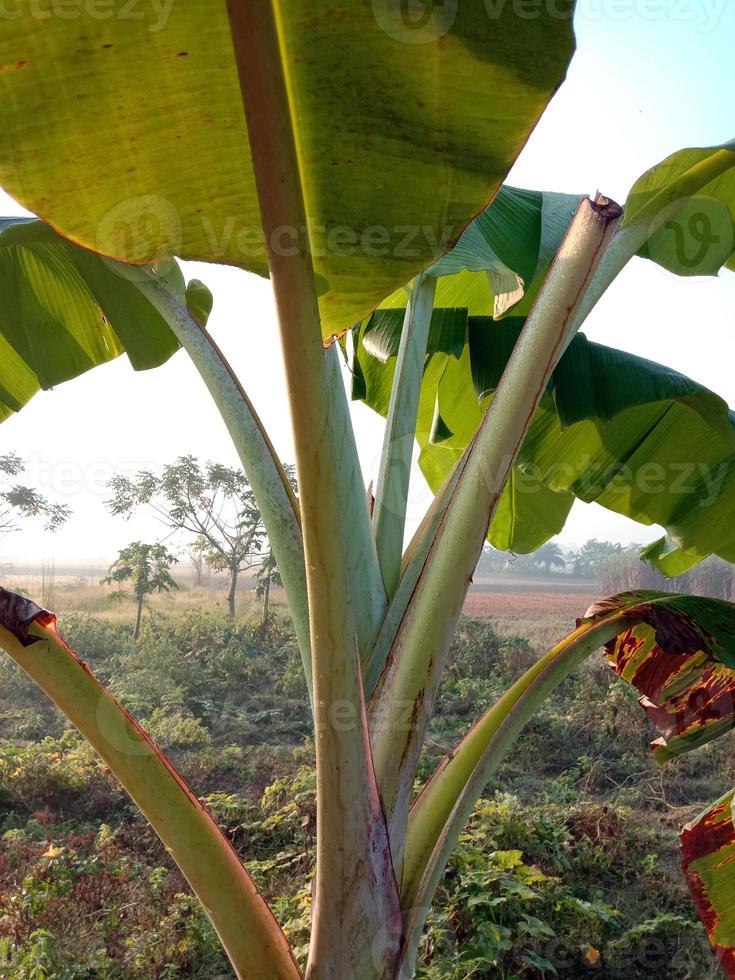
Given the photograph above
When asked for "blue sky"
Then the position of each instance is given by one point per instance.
(650, 76)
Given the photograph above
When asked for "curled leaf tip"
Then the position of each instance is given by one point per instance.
(676, 631)
(18, 613)
(615, 604)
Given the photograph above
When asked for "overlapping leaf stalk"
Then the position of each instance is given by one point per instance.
(355, 923)
(415, 661)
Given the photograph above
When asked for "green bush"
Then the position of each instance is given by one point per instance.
(584, 882)
(543, 892)
(94, 905)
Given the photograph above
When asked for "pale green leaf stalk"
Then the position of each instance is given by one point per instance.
(273, 492)
(366, 581)
(394, 474)
(404, 698)
(272, 489)
(255, 944)
(355, 911)
(446, 802)
(412, 564)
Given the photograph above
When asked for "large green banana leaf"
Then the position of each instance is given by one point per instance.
(64, 310)
(679, 653)
(128, 135)
(684, 208)
(632, 435)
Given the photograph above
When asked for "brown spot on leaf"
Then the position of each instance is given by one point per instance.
(674, 631)
(711, 833)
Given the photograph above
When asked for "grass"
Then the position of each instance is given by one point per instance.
(83, 594)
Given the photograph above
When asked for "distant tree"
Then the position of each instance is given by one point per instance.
(592, 556)
(548, 555)
(492, 561)
(197, 554)
(212, 501)
(712, 577)
(522, 566)
(18, 501)
(146, 568)
(626, 570)
(267, 576)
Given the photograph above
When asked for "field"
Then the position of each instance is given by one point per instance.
(569, 867)
(80, 591)
(541, 614)
(543, 608)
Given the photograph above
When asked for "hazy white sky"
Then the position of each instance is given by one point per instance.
(649, 77)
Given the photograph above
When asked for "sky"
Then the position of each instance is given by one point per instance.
(649, 77)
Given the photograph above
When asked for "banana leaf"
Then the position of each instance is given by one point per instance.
(65, 310)
(690, 233)
(501, 259)
(632, 435)
(128, 134)
(679, 652)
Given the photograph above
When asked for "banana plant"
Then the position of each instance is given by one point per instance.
(343, 152)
